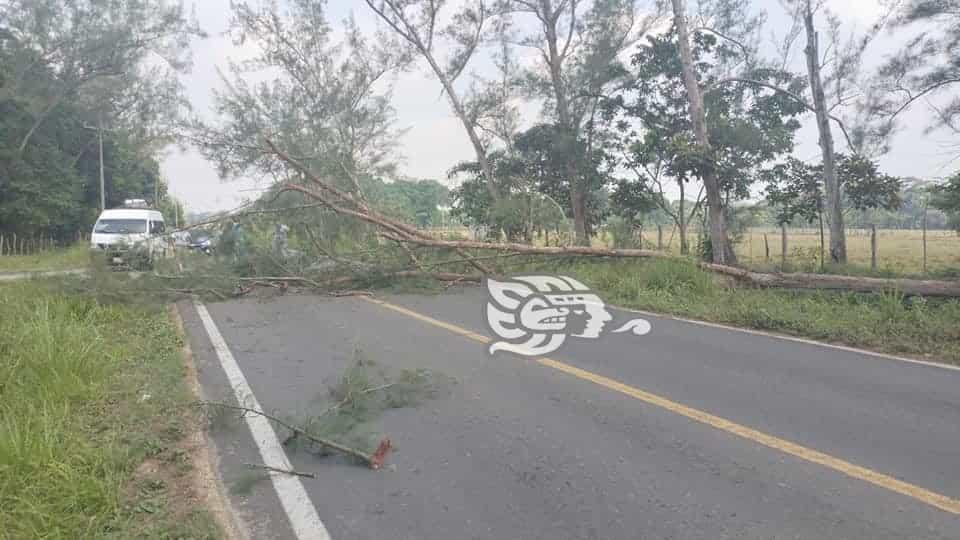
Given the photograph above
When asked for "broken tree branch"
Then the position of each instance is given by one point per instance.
(374, 461)
(909, 287)
(279, 470)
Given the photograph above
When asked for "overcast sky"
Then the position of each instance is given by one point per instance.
(435, 140)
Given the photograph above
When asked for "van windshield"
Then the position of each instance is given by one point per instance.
(120, 226)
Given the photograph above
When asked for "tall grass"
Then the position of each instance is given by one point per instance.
(76, 256)
(887, 321)
(74, 423)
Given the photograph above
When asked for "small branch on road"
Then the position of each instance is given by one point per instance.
(279, 470)
(373, 461)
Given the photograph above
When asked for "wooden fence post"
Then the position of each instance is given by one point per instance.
(766, 248)
(924, 238)
(783, 247)
(873, 247)
(660, 237)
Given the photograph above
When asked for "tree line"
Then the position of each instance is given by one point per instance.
(667, 110)
(69, 73)
(663, 109)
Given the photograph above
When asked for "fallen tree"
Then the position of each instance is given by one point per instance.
(909, 287)
(347, 204)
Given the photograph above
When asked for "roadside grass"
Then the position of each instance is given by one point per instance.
(93, 420)
(76, 256)
(886, 322)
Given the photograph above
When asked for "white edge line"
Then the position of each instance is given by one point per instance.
(293, 497)
(792, 338)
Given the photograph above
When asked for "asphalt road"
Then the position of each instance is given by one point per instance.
(688, 432)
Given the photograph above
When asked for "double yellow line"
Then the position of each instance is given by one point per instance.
(807, 454)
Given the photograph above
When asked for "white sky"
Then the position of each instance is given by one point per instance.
(435, 140)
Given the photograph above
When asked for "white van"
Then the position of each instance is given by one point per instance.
(131, 237)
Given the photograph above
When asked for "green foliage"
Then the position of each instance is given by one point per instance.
(885, 321)
(864, 186)
(63, 67)
(795, 190)
(352, 406)
(415, 202)
(622, 233)
(76, 256)
(926, 66)
(946, 197)
(532, 180)
(89, 392)
(747, 124)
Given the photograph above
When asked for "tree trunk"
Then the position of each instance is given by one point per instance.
(909, 287)
(579, 216)
(568, 130)
(838, 243)
(471, 130)
(720, 245)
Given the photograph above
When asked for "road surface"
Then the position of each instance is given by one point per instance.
(691, 431)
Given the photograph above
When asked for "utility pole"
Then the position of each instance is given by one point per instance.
(103, 197)
(99, 129)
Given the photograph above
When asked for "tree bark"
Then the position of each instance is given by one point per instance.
(909, 287)
(838, 243)
(722, 253)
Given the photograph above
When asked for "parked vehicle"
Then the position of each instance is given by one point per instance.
(130, 236)
(201, 242)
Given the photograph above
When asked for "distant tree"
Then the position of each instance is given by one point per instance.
(413, 201)
(525, 174)
(946, 197)
(865, 187)
(795, 190)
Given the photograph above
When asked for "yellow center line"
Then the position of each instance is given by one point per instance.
(807, 454)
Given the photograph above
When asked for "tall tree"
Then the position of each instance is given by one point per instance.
(721, 249)
(69, 47)
(418, 23)
(747, 125)
(838, 239)
(578, 45)
(328, 103)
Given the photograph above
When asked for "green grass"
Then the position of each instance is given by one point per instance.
(76, 256)
(91, 414)
(887, 322)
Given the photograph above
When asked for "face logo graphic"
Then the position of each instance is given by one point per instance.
(534, 315)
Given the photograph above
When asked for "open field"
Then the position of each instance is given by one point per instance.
(93, 420)
(899, 251)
